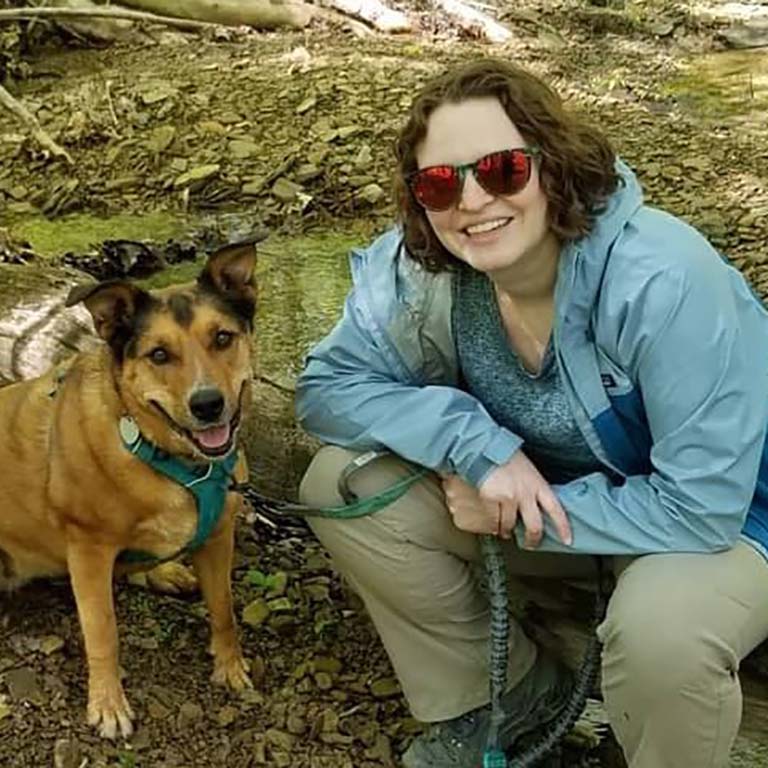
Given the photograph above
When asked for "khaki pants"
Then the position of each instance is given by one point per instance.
(676, 628)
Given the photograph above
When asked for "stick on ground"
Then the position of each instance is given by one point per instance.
(26, 117)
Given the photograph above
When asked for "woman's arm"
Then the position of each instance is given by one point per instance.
(350, 394)
(701, 364)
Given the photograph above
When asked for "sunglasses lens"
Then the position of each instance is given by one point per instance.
(504, 173)
(437, 187)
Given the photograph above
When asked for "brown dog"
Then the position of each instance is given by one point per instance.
(76, 493)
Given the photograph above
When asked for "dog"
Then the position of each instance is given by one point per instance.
(123, 456)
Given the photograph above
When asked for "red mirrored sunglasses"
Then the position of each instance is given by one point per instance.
(438, 187)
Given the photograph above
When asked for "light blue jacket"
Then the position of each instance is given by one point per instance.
(663, 350)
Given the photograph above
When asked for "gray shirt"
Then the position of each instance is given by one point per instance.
(534, 406)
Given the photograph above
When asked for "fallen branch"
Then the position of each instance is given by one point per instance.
(471, 19)
(101, 30)
(19, 14)
(374, 12)
(262, 14)
(18, 109)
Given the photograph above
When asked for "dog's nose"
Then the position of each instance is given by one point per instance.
(206, 404)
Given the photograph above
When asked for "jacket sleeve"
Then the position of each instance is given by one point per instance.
(697, 341)
(349, 395)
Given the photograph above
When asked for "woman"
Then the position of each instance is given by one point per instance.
(585, 375)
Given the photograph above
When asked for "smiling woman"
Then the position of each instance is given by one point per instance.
(586, 376)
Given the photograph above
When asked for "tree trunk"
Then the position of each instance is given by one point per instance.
(263, 14)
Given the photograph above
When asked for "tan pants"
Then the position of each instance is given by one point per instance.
(676, 628)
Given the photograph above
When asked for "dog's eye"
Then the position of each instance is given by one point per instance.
(223, 339)
(159, 356)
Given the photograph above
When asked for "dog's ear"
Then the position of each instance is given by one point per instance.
(229, 272)
(230, 269)
(113, 305)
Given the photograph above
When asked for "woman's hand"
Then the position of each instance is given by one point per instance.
(514, 490)
(520, 491)
(470, 513)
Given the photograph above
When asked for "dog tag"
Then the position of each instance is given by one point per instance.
(129, 431)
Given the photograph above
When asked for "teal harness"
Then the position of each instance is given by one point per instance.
(208, 483)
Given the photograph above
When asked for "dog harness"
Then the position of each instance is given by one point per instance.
(208, 483)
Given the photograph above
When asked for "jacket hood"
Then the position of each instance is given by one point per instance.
(583, 262)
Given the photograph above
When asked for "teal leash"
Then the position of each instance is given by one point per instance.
(496, 573)
(352, 508)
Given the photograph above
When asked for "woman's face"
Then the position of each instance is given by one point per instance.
(489, 232)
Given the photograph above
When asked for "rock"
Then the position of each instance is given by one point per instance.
(318, 561)
(226, 716)
(327, 664)
(324, 681)
(371, 193)
(280, 604)
(317, 592)
(306, 105)
(189, 714)
(285, 190)
(153, 92)
(280, 739)
(360, 180)
(66, 754)
(661, 27)
(240, 149)
(156, 710)
(307, 172)
(23, 685)
(296, 724)
(328, 721)
(50, 644)
(255, 613)
(255, 186)
(752, 34)
(385, 688)
(347, 130)
(364, 157)
(213, 127)
(251, 697)
(161, 138)
(277, 586)
(381, 750)
(197, 175)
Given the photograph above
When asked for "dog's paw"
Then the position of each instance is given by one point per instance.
(232, 672)
(110, 712)
(172, 578)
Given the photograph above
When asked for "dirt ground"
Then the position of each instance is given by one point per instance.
(293, 132)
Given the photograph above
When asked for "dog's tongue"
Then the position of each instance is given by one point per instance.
(214, 437)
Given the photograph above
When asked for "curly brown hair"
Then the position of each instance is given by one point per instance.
(576, 165)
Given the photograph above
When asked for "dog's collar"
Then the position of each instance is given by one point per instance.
(208, 483)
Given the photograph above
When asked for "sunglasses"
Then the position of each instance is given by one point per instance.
(439, 187)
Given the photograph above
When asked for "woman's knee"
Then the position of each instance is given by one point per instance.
(659, 643)
(319, 486)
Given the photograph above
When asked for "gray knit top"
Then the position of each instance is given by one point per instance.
(533, 406)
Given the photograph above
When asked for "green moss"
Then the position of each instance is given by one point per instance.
(79, 232)
(724, 84)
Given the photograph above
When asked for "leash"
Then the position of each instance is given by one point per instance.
(353, 505)
(586, 675)
(496, 571)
